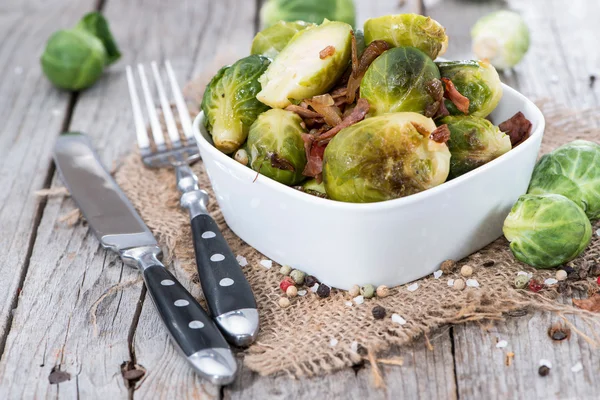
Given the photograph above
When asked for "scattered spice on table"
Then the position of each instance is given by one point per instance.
(501, 344)
(413, 287)
(489, 263)
(314, 288)
(298, 276)
(302, 292)
(448, 266)
(310, 281)
(323, 291)
(382, 291)
(285, 270)
(450, 282)
(359, 299)
(291, 291)
(397, 319)
(559, 332)
(521, 281)
(458, 284)
(550, 281)
(286, 283)
(378, 312)
(437, 274)
(509, 357)
(241, 260)
(354, 291)
(466, 271)
(577, 367)
(268, 264)
(561, 275)
(543, 370)
(348, 303)
(333, 342)
(535, 286)
(368, 291)
(472, 283)
(284, 302)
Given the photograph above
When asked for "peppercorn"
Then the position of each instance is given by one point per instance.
(595, 270)
(323, 291)
(535, 286)
(298, 276)
(286, 283)
(489, 263)
(561, 275)
(378, 312)
(466, 271)
(559, 332)
(284, 302)
(544, 370)
(309, 281)
(285, 270)
(458, 284)
(368, 291)
(448, 266)
(354, 291)
(382, 291)
(291, 291)
(521, 281)
(598, 280)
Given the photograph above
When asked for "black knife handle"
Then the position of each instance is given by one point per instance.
(224, 284)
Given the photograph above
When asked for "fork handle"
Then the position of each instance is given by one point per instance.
(226, 289)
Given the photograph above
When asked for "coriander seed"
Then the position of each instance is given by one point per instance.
(382, 291)
(284, 302)
(459, 284)
(561, 275)
(354, 291)
(466, 271)
(291, 291)
(448, 266)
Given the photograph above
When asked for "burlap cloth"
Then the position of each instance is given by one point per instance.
(316, 336)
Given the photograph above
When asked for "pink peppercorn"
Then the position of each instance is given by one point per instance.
(598, 280)
(286, 283)
(535, 286)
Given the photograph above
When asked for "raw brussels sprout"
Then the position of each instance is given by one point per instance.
(384, 158)
(307, 10)
(546, 230)
(229, 102)
(299, 72)
(269, 42)
(572, 170)
(276, 148)
(412, 30)
(74, 59)
(473, 142)
(476, 80)
(501, 37)
(402, 79)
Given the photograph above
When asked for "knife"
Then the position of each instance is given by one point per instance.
(118, 227)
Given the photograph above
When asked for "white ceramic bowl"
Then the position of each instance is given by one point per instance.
(391, 242)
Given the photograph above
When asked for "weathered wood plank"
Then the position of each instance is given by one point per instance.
(32, 113)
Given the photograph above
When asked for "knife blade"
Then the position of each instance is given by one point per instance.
(118, 227)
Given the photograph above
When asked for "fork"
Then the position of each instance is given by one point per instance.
(227, 292)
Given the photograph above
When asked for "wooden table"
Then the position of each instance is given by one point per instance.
(52, 275)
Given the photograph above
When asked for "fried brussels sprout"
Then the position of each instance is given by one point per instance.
(473, 142)
(307, 10)
(302, 70)
(546, 230)
(74, 59)
(572, 170)
(476, 80)
(501, 37)
(276, 148)
(270, 41)
(229, 102)
(383, 158)
(402, 79)
(412, 30)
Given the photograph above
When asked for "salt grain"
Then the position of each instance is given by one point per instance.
(359, 299)
(333, 342)
(598, 232)
(450, 282)
(354, 347)
(398, 319)
(301, 292)
(268, 264)
(577, 367)
(472, 283)
(437, 274)
(314, 288)
(545, 363)
(348, 303)
(551, 281)
(242, 261)
(501, 344)
(413, 287)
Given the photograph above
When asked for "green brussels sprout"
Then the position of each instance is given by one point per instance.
(307, 10)
(360, 42)
(473, 142)
(299, 71)
(476, 80)
(229, 102)
(402, 79)
(572, 170)
(315, 188)
(74, 59)
(276, 148)
(412, 30)
(546, 230)
(383, 158)
(501, 37)
(269, 42)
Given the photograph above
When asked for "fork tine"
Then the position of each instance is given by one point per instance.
(166, 107)
(184, 114)
(140, 128)
(157, 133)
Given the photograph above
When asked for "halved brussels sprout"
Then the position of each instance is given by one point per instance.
(384, 158)
(276, 148)
(300, 71)
(501, 37)
(307, 10)
(402, 79)
(315, 188)
(546, 230)
(269, 42)
(412, 30)
(572, 170)
(476, 80)
(229, 102)
(473, 142)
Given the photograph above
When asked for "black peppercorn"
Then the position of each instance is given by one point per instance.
(378, 312)
(323, 290)
(544, 370)
(309, 281)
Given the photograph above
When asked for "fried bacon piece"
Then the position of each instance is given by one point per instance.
(327, 52)
(358, 114)
(441, 134)
(359, 67)
(325, 106)
(517, 128)
(435, 89)
(314, 156)
(451, 93)
(303, 112)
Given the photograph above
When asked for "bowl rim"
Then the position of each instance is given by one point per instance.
(251, 175)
